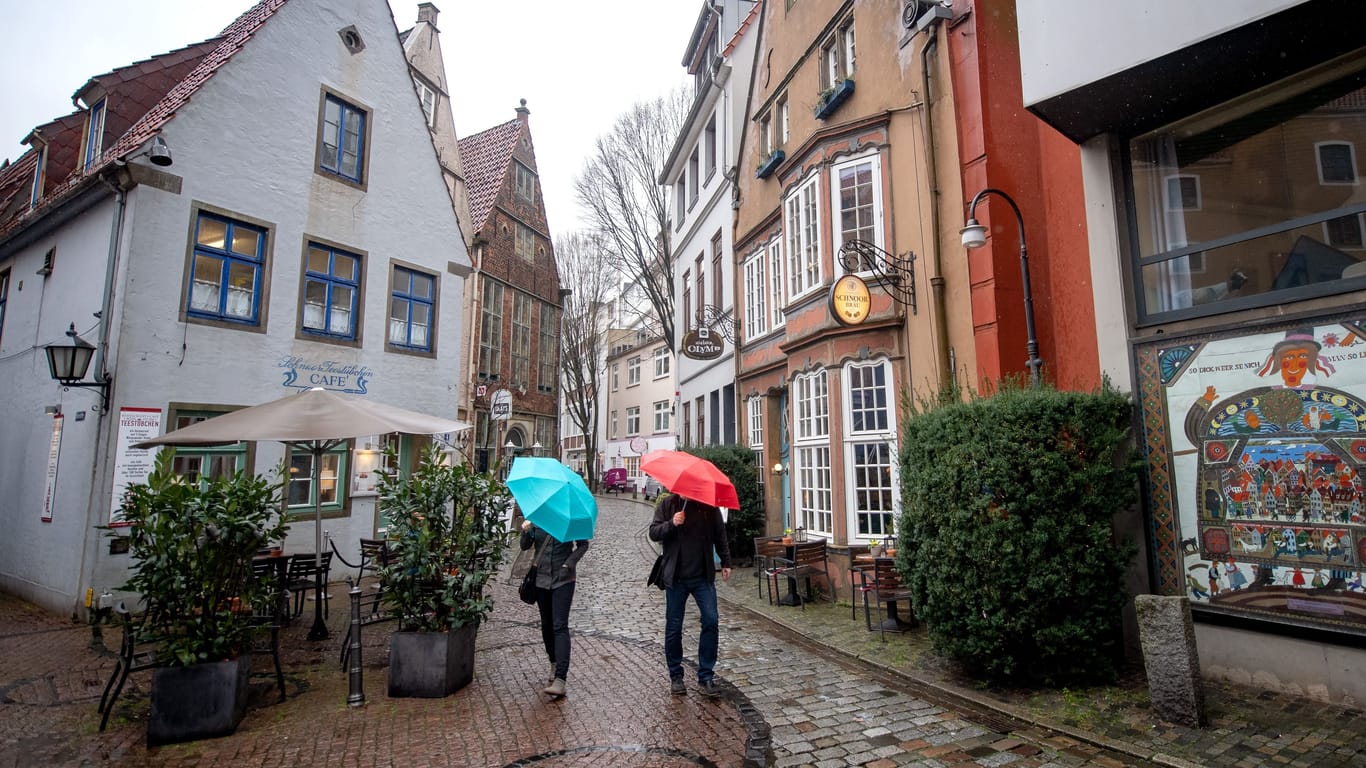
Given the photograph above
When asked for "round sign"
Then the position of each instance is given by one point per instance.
(638, 444)
(850, 300)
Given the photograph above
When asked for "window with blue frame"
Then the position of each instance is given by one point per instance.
(331, 287)
(94, 134)
(226, 270)
(412, 305)
(4, 299)
(342, 146)
(39, 178)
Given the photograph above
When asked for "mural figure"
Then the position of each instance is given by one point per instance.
(1297, 359)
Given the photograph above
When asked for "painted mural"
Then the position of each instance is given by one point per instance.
(1266, 455)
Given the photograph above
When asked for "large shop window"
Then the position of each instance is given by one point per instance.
(813, 498)
(870, 449)
(1252, 203)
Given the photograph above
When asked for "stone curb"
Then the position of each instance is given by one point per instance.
(965, 697)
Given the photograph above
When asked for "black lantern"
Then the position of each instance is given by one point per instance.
(67, 363)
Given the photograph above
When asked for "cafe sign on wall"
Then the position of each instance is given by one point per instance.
(850, 300)
(335, 375)
(702, 344)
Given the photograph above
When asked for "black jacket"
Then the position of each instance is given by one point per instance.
(702, 530)
(559, 562)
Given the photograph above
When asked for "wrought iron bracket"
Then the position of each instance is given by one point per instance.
(894, 274)
(717, 321)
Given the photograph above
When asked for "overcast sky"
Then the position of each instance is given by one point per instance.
(544, 51)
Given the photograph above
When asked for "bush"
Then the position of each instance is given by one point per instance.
(747, 522)
(191, 545)
(1006, 535)
(446, 539)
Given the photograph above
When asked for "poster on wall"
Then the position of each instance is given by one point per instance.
(1266, 450)
(54, 451)
(132, 465)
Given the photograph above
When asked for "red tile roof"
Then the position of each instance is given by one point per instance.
(155, 88)
(486, 157)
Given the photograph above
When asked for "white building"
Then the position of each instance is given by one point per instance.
(638, 400)
(700, 173)
(303, 236)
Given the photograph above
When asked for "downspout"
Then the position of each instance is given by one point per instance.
(941, 330)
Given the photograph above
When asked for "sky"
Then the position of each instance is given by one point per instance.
(548, 52)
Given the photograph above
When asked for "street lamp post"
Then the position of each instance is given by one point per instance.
(975, 236)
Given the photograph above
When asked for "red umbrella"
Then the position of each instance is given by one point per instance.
(691, 477)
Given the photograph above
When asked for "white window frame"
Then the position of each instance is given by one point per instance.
(837, 211)
(870, 440)
(429, 99)
(1318, 163)
(662, 362)
(777, 295)
(633, 371)
(812, 492)
(754, 408)
(756, 294)
(614, 423)
(784, 121)
(633, 420)
(94, 133)
(1175, 203)
(1341, 245)
(662, 415)
(801, 222)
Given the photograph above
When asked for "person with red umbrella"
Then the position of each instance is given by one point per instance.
(691, 528)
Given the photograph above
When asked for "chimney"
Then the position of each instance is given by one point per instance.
(427, 12)
(522, 112)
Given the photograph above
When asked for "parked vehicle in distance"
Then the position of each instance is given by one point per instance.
(653, 489)
(615, 480)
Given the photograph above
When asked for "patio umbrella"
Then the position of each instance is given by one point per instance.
(553, 497)
(316, 420)
(691, 477)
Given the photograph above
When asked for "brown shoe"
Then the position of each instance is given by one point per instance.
(556, 689)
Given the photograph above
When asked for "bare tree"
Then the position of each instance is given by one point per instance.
(591, 279)
(628, 209)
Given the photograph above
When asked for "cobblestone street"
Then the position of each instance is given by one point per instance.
(788, 701)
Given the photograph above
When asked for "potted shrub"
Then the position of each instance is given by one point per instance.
(446, 540)
(191, 545)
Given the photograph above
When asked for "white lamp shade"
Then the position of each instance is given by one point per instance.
(974, 234)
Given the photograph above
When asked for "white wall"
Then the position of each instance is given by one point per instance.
(1064, 46)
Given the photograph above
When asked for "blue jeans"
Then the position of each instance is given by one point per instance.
(676, 599)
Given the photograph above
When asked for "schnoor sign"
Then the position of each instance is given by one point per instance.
(850, 300)
(702, 344)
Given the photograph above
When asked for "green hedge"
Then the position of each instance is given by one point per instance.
(1006, 535)
(747, 522)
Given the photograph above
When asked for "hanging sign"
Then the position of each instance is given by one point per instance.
(500, 405)
(701, 344)
(850, 300)
(54, 450)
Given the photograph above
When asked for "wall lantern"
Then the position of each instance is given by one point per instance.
(68, 363)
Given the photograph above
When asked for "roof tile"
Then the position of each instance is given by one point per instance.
(486, 157)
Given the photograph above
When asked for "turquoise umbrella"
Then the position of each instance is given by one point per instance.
(553, 497)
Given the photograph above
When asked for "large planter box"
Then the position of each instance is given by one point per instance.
(198, 702)
(768, 166)
(430, 665)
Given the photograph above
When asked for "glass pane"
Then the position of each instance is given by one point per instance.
(1261, 265)
(341, 310)
(318, 261)
(315, 295)
(212, 232)
(300, 479)
(187, 467)
(241, 289)
(422, 286)
(208, 276)
(327, 480)
(221, 466)
(246, 241)
(344, 266)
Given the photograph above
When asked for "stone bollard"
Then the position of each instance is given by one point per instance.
(1167, 632)
(356, 677)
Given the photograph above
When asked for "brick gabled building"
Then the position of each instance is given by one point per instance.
(513, 304)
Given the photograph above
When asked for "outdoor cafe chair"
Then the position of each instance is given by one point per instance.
(806, 561)
(269, 616)
(138, 650)
(301, 579)
(882, 586)
(767, 550)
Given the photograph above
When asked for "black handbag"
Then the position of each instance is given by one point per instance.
(656, 573)
(527, 590)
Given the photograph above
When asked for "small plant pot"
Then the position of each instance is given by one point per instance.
(787, 541)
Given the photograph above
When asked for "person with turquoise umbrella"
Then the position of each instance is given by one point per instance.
(560, 514)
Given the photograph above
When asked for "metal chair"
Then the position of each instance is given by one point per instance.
(269, 615)
(138, 650)
(882, 585)
(767, 549)
(374, 555)
(304, 572)
(807, 561)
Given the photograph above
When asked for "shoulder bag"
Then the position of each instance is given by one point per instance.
(527, 590)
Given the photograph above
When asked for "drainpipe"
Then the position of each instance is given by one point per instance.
(110, 266)
(941, 341)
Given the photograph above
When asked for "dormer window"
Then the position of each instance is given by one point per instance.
(94, 134)
(39, 175)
